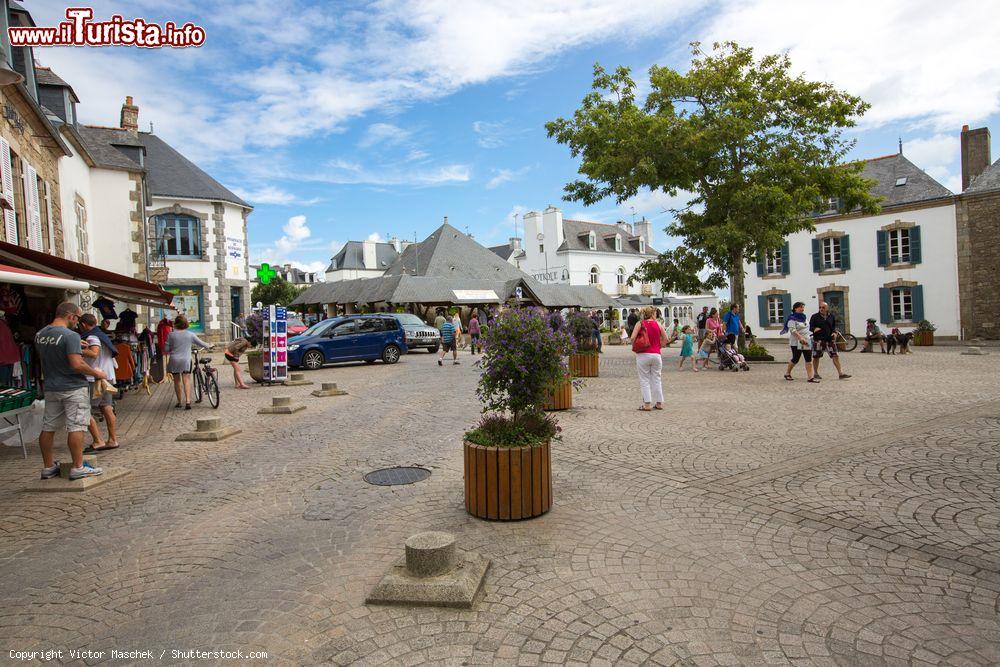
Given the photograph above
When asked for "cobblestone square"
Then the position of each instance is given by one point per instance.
(754, 521)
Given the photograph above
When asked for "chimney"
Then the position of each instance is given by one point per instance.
(624, 226)
(644, 228)
(396, 245)
(975, 153)
(515, 243)
(368, 254)
(130, 117)
(446, 220)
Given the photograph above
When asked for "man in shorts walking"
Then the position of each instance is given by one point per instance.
(67, 394)
(822, 325)
(449, 342)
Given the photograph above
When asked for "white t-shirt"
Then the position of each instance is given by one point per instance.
(104, 360)
(803, 329)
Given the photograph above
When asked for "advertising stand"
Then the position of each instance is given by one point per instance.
(275, 354)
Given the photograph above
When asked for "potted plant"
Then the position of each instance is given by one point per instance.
(507, 455)
(583, 362)
(924, 333)
(254, 333)
(755, 352)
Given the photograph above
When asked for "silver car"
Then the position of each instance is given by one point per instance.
(418, 333)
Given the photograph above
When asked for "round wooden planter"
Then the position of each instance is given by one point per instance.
(255, 366)
(584, 365)
(561, 398)
(507, 483)
(923, 338)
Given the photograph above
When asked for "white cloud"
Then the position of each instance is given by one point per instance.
(376, 237)
(269, 194)
(501, 176)
(383, 133)
(344, 172)
(296, 231)
(938, 156)
(490, 135)
(920, 62)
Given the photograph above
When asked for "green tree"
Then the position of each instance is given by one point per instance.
(758, 149)
(277, 292)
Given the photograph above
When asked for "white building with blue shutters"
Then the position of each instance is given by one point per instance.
(899, 267)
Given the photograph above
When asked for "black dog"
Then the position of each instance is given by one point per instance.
(898, 339)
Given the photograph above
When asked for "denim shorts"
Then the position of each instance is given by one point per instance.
(67, 409)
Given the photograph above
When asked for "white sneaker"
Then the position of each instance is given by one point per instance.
(53, 471)
(86, 470)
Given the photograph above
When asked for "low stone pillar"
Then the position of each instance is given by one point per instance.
(328, 389)
(281, 405)
(974, 350)
(209, 429)
(296, 380)
(430, 554)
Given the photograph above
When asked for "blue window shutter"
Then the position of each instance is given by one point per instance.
(845, 252)
(917, 300)
(784, 259)
(786, 300)
(885, 305)
(915, 257)
(762, 309)
(883, 248)
(760, 265)
(817, 256)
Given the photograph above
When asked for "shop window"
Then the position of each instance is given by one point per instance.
(179, 236)
(189, 302)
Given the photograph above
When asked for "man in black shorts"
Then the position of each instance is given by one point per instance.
(822, 325)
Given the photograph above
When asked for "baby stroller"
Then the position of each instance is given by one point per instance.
(728, 361)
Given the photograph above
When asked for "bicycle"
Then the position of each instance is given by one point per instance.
(205, 380)
(849, 341)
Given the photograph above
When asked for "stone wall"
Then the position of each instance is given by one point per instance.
(33, 143)
(978, 227)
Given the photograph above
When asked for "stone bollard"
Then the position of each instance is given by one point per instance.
(432, 573)
(281, 405)
(974, 350)
(296, 380)
(430, 554)
(328, 389)
(210, 429)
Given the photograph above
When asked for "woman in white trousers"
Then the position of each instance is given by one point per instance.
(648, 361)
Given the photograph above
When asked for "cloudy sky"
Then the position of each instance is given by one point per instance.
(351, 120)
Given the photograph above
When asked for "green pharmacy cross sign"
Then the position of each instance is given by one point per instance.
(265, 273)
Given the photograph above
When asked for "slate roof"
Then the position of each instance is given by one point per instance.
(576, 234)
(886, 170)
(448, 260)
(986, 181)
(170, 174)
(46, 77)
(502, 251)
(100, 144)
(351, 256)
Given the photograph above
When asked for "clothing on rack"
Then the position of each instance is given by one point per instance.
(10, 353)
(106, 307)
(126, 320)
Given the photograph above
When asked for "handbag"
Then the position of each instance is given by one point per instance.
(641, 343)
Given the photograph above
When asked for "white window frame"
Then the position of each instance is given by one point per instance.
(642, 246)
(595, 275)
(592, 241)
(621, 275)
(775, 309)
(901, 304)
(82, 235)
(831, 256)
(898, 245)
(618, 242)
(772, 263)
(7, 169)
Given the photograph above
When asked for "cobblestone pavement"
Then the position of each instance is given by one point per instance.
(755, 521)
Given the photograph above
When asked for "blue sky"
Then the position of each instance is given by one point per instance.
(345, 120)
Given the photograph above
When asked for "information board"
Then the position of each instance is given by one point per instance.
(275, 344)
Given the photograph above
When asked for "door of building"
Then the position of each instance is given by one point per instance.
(235, 302)
(835, 300)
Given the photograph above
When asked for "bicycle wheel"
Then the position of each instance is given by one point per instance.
(197, 382)
(212, 389)
(850, 342)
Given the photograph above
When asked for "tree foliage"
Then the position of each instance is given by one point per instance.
(278, 292)
(757, 148)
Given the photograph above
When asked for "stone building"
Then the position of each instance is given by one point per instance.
(977, 219)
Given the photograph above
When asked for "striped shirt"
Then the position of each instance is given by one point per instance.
(447, 332)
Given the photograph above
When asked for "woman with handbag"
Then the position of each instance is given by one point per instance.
(647, 338)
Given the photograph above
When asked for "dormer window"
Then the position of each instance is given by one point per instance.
(642, 246)
(592, 241)
(618, 242)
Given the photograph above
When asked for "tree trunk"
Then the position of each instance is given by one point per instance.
(738, 295)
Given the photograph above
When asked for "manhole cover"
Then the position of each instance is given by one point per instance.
(396, 476)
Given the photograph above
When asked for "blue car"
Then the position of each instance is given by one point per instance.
(350, 338)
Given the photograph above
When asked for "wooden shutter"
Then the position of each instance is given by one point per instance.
(9, 217)
(845, 252)
(915, 255)
(31, 207)
(762, 309)
(786, 300)
(917, 301)
(882, 245)
(760, 265)
(784, 259)
(48, 216)
(885, 303)
(817, 256)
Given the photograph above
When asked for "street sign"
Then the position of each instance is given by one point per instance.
(265, 273)
(518, 293)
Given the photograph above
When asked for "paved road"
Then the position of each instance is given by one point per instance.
(755, 521)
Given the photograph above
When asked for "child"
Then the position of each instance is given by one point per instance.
(687, 349)
(707, 345)
(730, 343)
